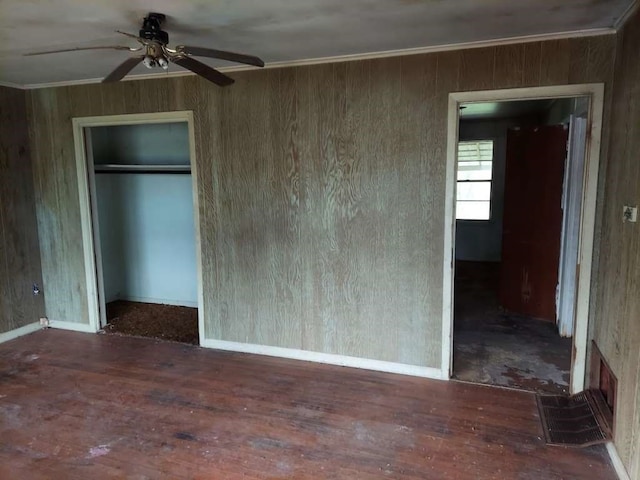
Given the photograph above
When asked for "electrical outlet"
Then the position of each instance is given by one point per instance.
(36, 289)
(629, 214)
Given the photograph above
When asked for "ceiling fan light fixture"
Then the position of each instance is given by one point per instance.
(163, 62)
(149, 61)
(156, 53)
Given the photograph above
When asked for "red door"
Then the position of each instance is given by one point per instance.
(532, 222)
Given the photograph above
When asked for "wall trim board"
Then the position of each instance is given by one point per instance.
(587, 225)
(628, 13)
(355, 57)
(617, 463)
(13, 85)
(85, 175)
(195, 181)
(76, 327)
(328, 358)
(19, 332)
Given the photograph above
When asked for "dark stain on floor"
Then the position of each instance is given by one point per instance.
(185, 436)
(495, 347)
(165, 322)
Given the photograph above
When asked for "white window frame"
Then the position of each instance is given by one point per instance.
(491, 181)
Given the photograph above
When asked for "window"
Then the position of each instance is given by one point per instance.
(475, 162)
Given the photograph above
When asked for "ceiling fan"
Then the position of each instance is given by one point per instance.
(156, 54)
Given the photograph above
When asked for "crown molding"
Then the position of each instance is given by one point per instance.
(351, 58)
(12, 85)
(628, 13)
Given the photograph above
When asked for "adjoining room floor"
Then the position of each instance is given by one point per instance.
(77, 406)
(497, 348)
(166, 322)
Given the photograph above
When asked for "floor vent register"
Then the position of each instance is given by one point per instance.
(578, 420)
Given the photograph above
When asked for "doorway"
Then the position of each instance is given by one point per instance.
(521, 231)
(137, 180)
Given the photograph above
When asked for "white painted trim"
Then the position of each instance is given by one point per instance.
(587, 232)
(328, 358)
(354, 57)
(449, 239)
(19, 332)
(628, 13)
(73, 326)
(12, 85)
(95, 224)
(88, 248)
(617, 463)
(596, 94)
(135, 119)
(87, 210)
(195, 189)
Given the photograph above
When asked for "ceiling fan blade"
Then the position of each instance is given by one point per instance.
(122, 69)
(76, 49)
(131, 35)
(221, 54)
(203, 70)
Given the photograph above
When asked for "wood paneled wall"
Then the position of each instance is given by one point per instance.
(19, 249)
(321, 191)
(617, 314)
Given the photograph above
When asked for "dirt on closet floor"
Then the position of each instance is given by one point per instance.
(495, 347)
(166, 322)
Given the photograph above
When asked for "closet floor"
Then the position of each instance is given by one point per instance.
(165, 322)
(496, 347)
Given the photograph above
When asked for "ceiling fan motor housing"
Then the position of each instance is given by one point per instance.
(151, 28)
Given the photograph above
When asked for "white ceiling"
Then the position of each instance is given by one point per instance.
(276, 30)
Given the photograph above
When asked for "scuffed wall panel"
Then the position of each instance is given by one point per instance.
(617, 314)
(321, 192)
(19, 249)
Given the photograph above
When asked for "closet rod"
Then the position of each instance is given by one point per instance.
(142, 168)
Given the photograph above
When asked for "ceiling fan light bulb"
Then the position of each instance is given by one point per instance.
(149, 62)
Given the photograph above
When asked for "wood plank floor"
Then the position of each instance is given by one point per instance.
(86, 406)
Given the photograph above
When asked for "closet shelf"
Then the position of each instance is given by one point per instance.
(113, 168)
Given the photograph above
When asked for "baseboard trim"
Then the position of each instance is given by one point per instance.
(76, 327)
(160, 301)
(328, 358)
(19, 332)
(616, 461)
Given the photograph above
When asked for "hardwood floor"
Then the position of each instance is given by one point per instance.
(85, 406)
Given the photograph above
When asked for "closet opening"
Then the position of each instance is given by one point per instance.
(143, 213)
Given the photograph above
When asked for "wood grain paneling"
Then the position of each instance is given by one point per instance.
(532, 71)
(321, 193)
(478, 66)
(19, 248)
(555, 60)
(510, 66)
(616, 319)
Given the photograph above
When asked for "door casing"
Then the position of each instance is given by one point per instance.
(88, 213)
(595, 93)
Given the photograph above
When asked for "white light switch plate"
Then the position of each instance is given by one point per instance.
(629, 214)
